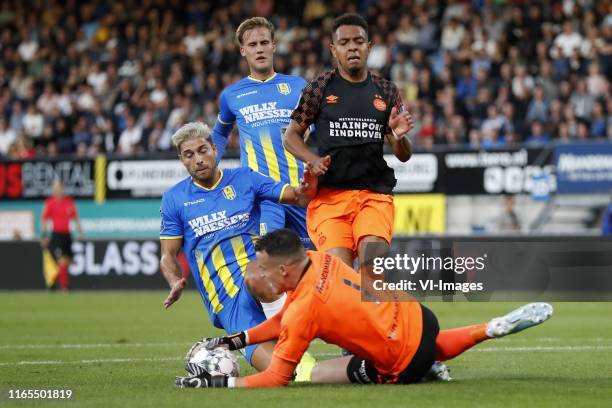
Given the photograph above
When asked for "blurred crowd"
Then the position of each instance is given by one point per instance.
(121, 76)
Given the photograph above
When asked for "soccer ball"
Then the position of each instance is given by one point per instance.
(216, 361)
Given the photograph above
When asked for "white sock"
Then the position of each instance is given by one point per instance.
(272, 308)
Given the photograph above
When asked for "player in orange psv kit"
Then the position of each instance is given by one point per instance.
(392, 342)
(354, 112)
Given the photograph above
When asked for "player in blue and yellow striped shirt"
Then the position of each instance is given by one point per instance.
(261, 105)
(213, 215)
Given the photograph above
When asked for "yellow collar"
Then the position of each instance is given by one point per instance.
(259, 80)
(214, 186)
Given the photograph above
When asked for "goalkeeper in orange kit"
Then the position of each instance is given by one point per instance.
(392, 342)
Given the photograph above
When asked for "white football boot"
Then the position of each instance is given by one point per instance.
(522, 318)
(438, 372)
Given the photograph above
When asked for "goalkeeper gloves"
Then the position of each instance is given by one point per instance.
(202, 380)
(233, 342)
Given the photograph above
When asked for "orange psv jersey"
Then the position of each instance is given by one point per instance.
(327, 304)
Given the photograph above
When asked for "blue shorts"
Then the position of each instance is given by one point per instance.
(240, 314)
(274, 216)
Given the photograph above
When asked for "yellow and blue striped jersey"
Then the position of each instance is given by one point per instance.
(261, 110)
(218, 225)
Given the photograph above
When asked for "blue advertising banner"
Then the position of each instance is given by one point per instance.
(584, 168)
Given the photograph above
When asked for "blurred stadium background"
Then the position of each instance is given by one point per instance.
(511, 100)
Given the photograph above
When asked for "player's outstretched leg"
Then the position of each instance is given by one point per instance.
(451, 343)
(522, 318)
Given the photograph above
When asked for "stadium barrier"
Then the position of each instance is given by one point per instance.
(118, 219)
(584, 168)
(515, 170)
(134, 264)
(97, 264)
(512, 170)
(21, 265)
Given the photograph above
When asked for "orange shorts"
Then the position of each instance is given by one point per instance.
(341, 218)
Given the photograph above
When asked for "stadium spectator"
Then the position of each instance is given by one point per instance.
(509, 221)
(7, 137)
(379, 53)
(16, 119)
(130, 137)
(406, 33)
(597, 84)
(48, 102)
(452, 35)
(538, 135)
(563, 135)
(598, 123)
(583, 101)
(103, 61)
(567, 41)
(82, 136)
(28, 47)
(582, 131)
(33, 123)
(493, 122)
(194, 41)
(467, 85)
(21, 149)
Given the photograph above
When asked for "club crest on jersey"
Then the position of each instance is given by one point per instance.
(229, 192)
(283, 88)
(331, 99)
(379, 103)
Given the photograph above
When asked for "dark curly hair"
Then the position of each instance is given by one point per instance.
(352, 19)
(282, 242)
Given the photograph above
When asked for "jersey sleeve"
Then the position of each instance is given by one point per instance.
(396, 97)
(73, 209)
(297, 331)
(278, 374)
(171, 225)
(309, 105)
(265, 187)
(226, 116)
(223, 126)
(391, 95)
(46, 211)
(396, 101)
(269, 329)
(265, 331)
(295, 336)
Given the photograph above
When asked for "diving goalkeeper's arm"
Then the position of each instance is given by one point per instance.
(266, 331)
(278, 374)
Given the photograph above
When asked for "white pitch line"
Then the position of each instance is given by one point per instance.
(542, 348)
(87, 346)
(316, 341)
(322, 354)
(554, 340)
(96, 361)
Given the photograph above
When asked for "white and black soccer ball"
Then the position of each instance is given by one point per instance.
(216, 361)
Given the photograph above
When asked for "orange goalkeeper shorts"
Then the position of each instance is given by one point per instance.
(341, 218)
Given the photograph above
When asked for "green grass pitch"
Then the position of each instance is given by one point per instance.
(124, 349)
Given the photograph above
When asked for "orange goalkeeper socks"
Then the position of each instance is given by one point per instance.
(451, 343)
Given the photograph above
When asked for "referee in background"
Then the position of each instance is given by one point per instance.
(60, 209)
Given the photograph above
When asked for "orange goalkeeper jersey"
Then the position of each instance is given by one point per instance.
(327, 304)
